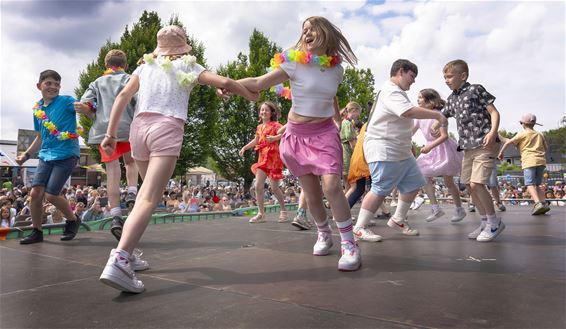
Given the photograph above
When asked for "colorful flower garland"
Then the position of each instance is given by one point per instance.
(185, 79)
(61, 135)
(114, 69)
(301, 57)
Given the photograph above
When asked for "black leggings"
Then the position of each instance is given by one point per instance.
(359, 191)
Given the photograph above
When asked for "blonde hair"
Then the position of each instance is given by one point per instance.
(115, 58)
(351, 106)
(458, 65)
(329, 37)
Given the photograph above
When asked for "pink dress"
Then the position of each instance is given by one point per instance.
(443, 160)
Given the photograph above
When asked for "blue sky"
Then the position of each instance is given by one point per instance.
(515, 49)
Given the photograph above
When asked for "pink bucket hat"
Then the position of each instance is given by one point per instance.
(529, 118)
(171, 40)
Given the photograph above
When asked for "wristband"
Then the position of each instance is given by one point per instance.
(109, 136)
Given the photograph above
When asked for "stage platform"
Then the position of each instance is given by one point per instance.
(226, 273)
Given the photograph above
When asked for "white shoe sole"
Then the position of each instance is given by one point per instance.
(323, 252)
(499, 230)
(119, 283)
(350, 268)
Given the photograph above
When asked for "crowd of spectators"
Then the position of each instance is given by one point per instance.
(91, 203)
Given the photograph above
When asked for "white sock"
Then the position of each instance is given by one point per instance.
(116, 211)
(493, 220)
(363, 218)
(122, 256)
(133, 189)
(345, 228)
(402, 210)
(435, 207)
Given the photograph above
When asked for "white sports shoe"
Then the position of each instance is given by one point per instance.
(351, 259)
(402, 226)
(365, 234)
(459, 214)
(489, 233)
(119, 276)
(435, 212)
(323, 244)
(478, 230)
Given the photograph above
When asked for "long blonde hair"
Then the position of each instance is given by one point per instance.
(329, 37)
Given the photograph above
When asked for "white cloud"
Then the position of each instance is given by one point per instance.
(515, 49)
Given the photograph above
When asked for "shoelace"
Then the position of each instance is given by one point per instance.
(348, 247)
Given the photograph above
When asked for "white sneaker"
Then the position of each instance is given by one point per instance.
(351, 259)
(402, 226)
(489, 233)
(419, 201)
(323, 244)
(478, 230)
(136, 262)
(459, 214)
(121, 277)
(435, 212)
(365, 234)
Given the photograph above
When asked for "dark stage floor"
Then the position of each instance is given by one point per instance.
(226, 273)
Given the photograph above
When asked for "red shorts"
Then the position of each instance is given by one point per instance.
(121, 148)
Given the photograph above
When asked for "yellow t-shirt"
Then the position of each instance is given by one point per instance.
(532, 147)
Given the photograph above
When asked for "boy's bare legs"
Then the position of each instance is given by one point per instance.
(156, 175)
(62, 204)
(114, 177)
(482, 199)
(131, 169)
(535, 193)
(36, 206)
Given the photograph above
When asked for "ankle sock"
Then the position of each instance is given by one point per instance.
(345, 229)
(363, 218)
(116, 211)
(493, 220)
(402, 210)
(324, 227)
(133, 189)
(122, 256)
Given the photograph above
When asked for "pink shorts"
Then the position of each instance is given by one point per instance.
(312, 148)
(154, 134)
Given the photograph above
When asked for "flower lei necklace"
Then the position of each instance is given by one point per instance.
(114, 69)
(301, 57)
(60, 135)
(183, 78)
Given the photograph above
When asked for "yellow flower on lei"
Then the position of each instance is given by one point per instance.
(148, 58)
(189, 59)
(166, 64)
(185, 79)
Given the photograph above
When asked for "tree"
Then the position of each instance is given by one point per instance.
(357, 86)
(507, 134)
(556, 140)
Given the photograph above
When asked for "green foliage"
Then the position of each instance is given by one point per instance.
(507, 134)
(556, 140)
(357, 86)
(505, 167)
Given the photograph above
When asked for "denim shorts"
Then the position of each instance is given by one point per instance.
(533, 175)
(404, 174)
(53, 174)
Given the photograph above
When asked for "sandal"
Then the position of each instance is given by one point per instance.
(283, 217)
(259, 218)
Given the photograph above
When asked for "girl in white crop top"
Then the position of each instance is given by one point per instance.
(163, 83)
(310, 147)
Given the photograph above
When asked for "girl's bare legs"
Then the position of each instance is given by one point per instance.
(280, 197)
(260, 178)
(429, 189)
(156, 173)
(312, 192)
(332, 188)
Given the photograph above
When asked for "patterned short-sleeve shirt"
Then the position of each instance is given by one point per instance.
(468, 105)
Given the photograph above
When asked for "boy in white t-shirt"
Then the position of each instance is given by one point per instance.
(387, 149)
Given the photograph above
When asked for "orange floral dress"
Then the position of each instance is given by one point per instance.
(268, 152)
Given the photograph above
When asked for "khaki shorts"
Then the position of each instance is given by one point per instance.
(478, 165)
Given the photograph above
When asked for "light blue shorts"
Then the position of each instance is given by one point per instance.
(404, 174)
(533, 175)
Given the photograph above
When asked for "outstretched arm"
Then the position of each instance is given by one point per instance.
(211, 79)
(248, 146)
(443, 137)
(108, 144)
(265, 81)
(503, 148)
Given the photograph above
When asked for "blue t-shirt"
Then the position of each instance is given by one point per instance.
(62, 113)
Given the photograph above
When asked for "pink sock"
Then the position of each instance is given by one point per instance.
(345, 228)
